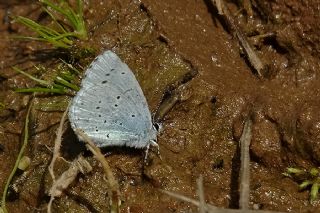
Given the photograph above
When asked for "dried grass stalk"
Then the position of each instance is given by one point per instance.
(113, 192)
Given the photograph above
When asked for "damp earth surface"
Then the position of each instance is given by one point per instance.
(200, 87)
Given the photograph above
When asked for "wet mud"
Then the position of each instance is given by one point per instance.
(199, 85)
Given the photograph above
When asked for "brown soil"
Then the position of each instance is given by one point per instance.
(173, 46)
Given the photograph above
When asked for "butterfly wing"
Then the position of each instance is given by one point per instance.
(110, 106)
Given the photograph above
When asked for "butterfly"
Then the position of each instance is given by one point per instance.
(110, 108)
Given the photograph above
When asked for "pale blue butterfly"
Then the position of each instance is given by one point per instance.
(110, 107)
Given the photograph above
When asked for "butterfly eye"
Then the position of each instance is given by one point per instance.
(157, 126)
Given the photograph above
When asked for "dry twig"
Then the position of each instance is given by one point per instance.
(210, 208)
(67, 177)
(180, 94)
(201, 195)
(55, 155)
(113, 192)
(245, 165)
(253, 58)
(57, 144)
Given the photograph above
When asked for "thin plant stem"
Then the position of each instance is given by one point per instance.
(21, 152)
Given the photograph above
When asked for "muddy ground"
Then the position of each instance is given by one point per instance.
(179, 46)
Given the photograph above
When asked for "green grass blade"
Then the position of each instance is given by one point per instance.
(305, 184)
(54, 19)
(41, 89)
(314, 191)
(23, 147)
(52, 104)
(28, 38)
(66, 83)
(55, 7)
(41, 82)
(66, 76)
(314, 172)
(80, 7)
(61, 37)
(40, 29)
(70, 66)
(296, 171)
(75, 19)
(65, 36)
(45, 33)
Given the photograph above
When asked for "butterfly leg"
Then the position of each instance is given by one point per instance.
(147, 153)
(155, 144)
